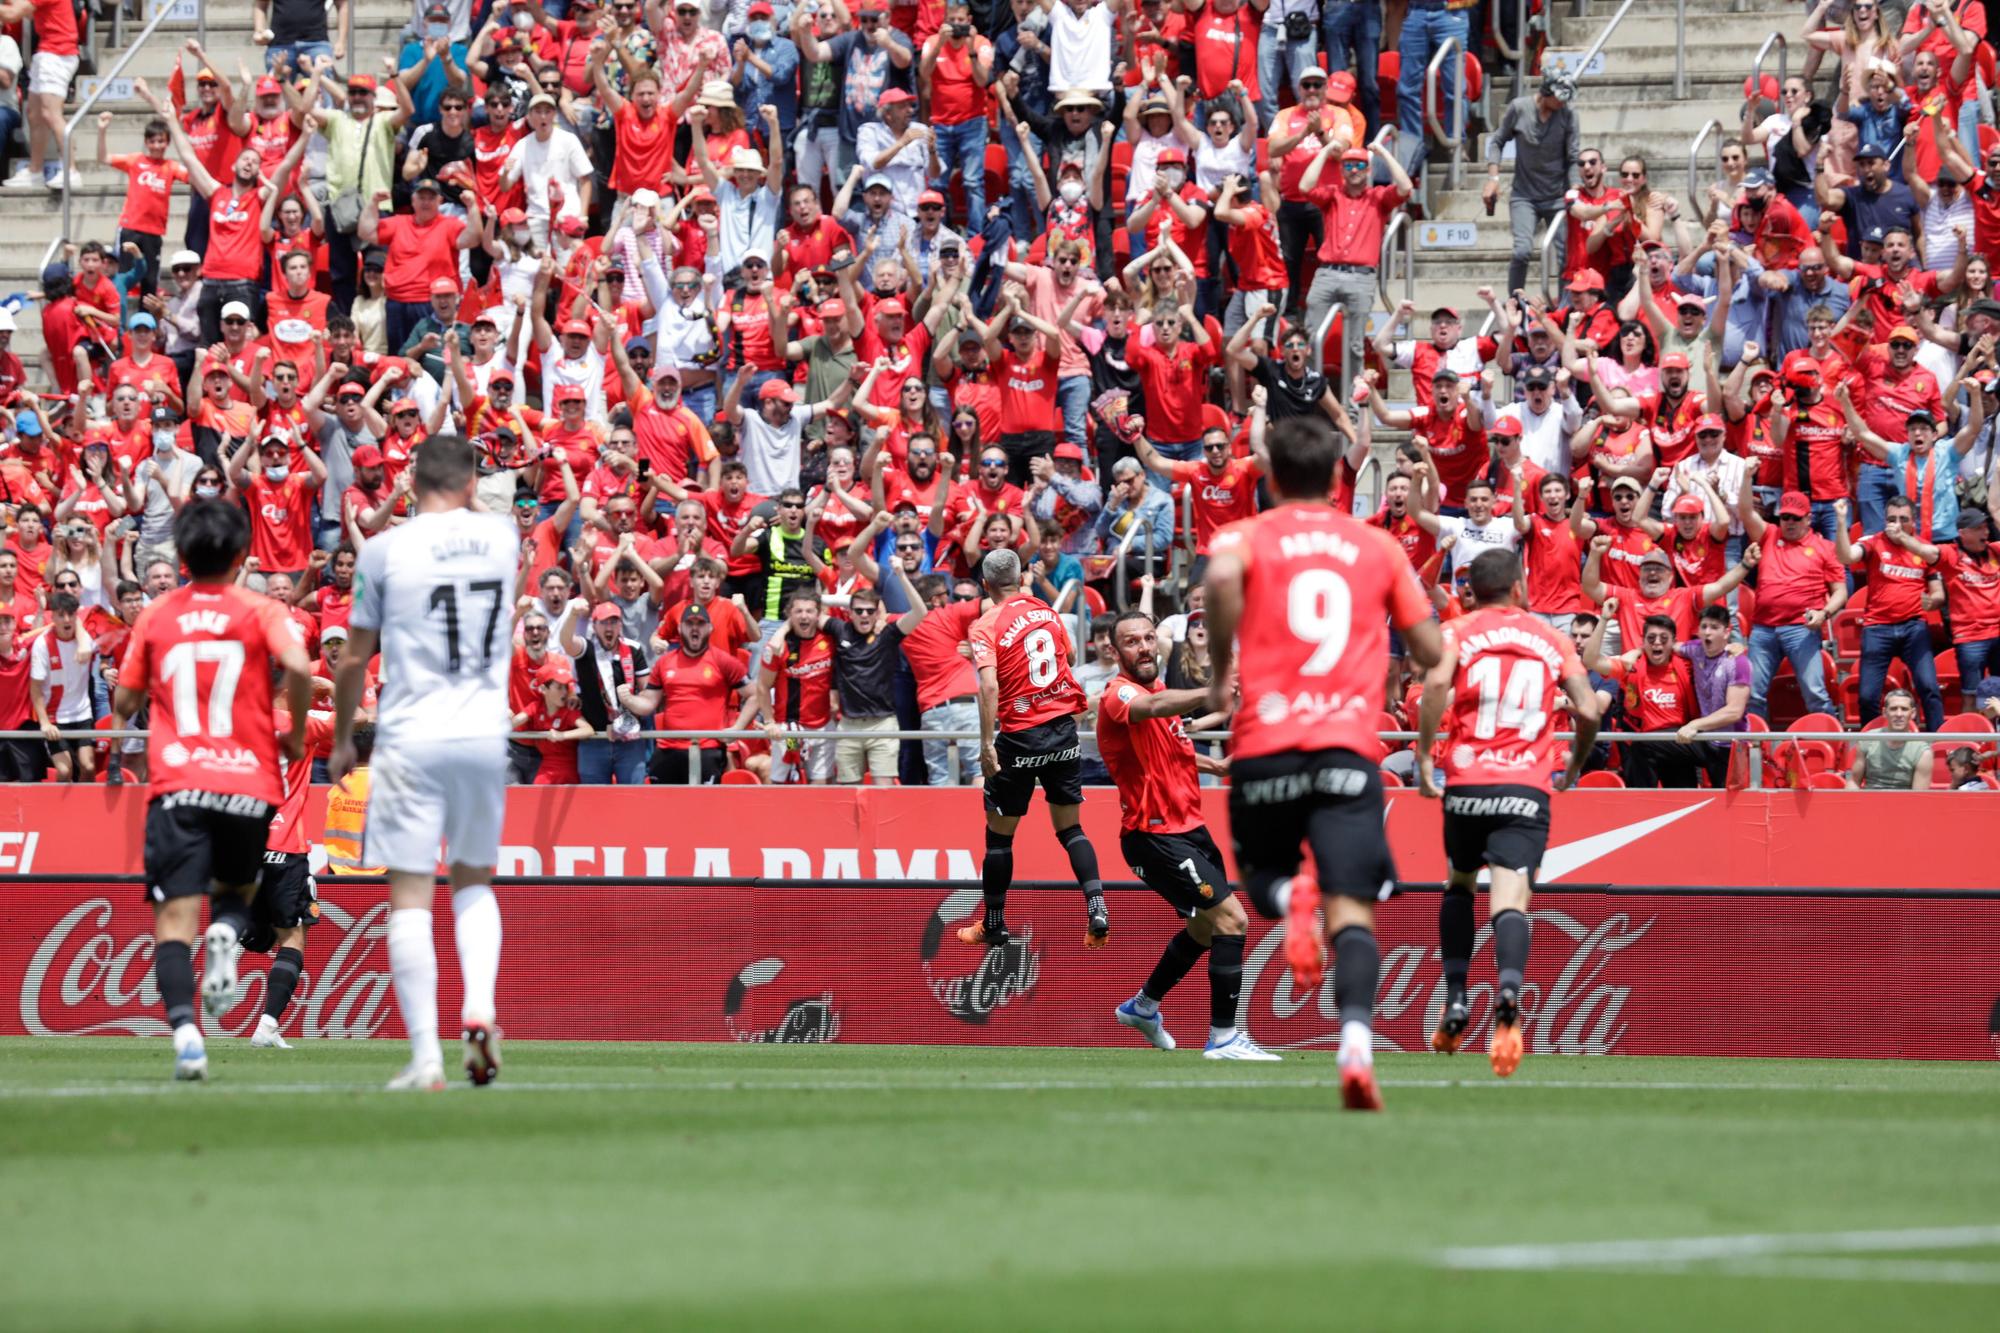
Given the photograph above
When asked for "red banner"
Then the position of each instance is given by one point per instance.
(1702, 974)
(1698, 839)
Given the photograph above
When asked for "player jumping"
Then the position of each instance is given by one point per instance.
(1313, 592)
(287, 903)
(1026, 691)
(1499, 674)
(436, 595)
(203, 655)
(1156, 767)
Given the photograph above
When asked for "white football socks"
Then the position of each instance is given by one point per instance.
(476, 926)
(1357, 1044)
(413, 964)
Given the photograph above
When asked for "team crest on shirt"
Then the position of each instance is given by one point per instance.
(173, 754)
(1127, 693)
(707, 672)
(1462, 756)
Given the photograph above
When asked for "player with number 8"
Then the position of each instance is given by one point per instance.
(1028, 702)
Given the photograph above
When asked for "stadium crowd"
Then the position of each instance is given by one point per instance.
(769, 320)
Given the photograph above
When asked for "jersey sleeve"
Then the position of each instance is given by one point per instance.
(1187, 471)
(733, 671)
(981, 639)
(1572, 665)
(1408, 602)
(1114, 706)
(366, 612)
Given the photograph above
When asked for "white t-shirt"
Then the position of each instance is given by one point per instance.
(440, 589)
(63, 670)
(770, 453)
(535, 163)
(1079, 48)
(1474, 540)
(587, 370)
(908, 171)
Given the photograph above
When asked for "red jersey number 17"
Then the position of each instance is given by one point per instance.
(180, 669)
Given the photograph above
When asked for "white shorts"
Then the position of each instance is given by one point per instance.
(797, 753)
(51, 74)
(449, 792)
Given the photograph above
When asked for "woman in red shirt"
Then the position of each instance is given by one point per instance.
(294, 223)
(912, 415)
(554, 709)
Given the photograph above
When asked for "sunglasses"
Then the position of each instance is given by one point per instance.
(908, 546)
(1221, 447)
(1631, 175)
(410, 414)
(996, 463)
(235, 319)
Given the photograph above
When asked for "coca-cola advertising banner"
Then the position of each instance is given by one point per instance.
(1695, 839)
(1691, 974)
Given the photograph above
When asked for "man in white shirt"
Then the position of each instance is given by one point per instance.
(1475, 534)
(1719, 468)
(898, 147)
(748, 200)
(549, 155)
(1548, 414)
(59, 689)
(1080, 33)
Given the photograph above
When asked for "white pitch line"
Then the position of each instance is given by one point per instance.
(668, 1085)
(1684, 1250)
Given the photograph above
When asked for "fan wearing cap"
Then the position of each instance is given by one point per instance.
(1810, 436)
(555, 709)
(14, 375)
(574, 353)
(770, 435)
(570, 437)
(1915, 467)
(691, 53)
(1896, 564)
(1877, 200)
(1175, 207)
(1356, 212)
(372, 503)
(552, 168)
(748, 197)
(1656, 593)
(403, 425)
(1324, 111)
(213, 140)
(280, 501)
(899, 147)
(1659, 693)
(142, 367)
(672, 438)
(269, 123)
(1546, 137)
(1801, 586)
(692, 686)
(149, 186)
(422, 253)
(1447, 347)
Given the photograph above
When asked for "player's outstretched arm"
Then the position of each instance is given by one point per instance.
(1167, 703)
(1430, 713)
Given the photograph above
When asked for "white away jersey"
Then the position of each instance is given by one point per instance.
(440, 590)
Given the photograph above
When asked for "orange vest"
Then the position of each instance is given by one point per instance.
(346, 819)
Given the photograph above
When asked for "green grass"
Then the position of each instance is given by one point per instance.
(810, 1187)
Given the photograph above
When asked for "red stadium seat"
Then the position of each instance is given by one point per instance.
(740, 777)
(1738, 777)
(1847, 634)
(996, 173)
(1826, 782)
(1093, 600)
(1390, 780)
(1388, 69)
(1801, 759)
(1603, 777)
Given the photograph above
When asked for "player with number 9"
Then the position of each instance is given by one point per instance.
(1028, 702)
(1500, 676)
(203, 655)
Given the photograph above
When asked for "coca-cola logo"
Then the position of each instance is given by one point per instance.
(85, 978)
(805, 1020)
(1001, 975)
(1581, 1012)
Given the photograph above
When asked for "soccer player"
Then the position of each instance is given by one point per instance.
(1314, 592)
(1146, 747)
(202, 655)
(287, 901)
(434, 596)
(1028, 696)
(1501, 673)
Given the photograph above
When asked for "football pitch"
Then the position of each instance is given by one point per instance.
(815, 1187)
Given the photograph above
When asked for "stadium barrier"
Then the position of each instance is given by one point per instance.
(1680, 923)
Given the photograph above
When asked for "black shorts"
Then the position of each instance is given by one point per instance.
(288, 896)
(1502, 825)
(1049, 754)
(197, 839)
(1184, 868)
(1331, 799)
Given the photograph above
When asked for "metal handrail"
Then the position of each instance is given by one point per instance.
(1784, 63)
(1397, 226)
(1516, 54)
(1598, 46)
(1451, 49)
(90, 104)
(1716, 128)
(1546, 249)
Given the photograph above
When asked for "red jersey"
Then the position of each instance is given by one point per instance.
(1656, 698)
(1576, 255)
(802, 679)
(1219, 500)
(558, 764)
(1511, 668)
(1458, 447)
(1698, 562)
(645, 148)
(580, 446)
(729, 630)
(1895, 582)
(1176, 386)
(697, 693)
(522, 691)
(236, 236)
(932, 650)
(1793, 577)
(281, 521)
(203, 655)
(1253, 249)
(1972, 592)
(1680, 605)
(150, 184)
(288, 827)
(1027, 391)
(1619, 568)
(1151, 760)
(1672, 425)
(1320, 591)
(1555, 567)
(725, 520)
(1417, 544)
(1029, 650)
(419, 254)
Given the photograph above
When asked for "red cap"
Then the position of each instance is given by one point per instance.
(778, 390)
(444, 286)
(1340, 86)
(1069, 449)
(1171, 155)
(363, 81)
(1674, 361)
(1355, 155)
(367, 456)
(1587, 280)
(606, 611)
(761, 10)
(577, 326)
(404, 405)
(1903, 333)
(1795, 504)
(500, 375)
(1800, 367)
(892, 306)
(567, 393)
(555, 669)
(1690, 504)
(268, 86)
(1506, 426)
(570, 225)
(513, 217)
(833, 310)
(893, 96)
(930, 197)
(1709, 421)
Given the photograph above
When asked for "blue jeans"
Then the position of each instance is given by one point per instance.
(1873, 490)
(701, 401)
(937, 754)
(1424, 31)
(296, 54)
(1822, 520)
(1976, 661)
(1073, 392)
(1909, 640)
(962, 148)
(1022, 211)
(1351, 34)
(601, 762)
(1279, 59)
(1801, 645)
(399, 318)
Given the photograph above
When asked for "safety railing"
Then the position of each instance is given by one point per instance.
(89, 105)
(1397, 229)
(1596, 47)
(1517, 55)
(1453, 50)
(1776, 39)
(1713, 129)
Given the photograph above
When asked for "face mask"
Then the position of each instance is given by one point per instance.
(276, 474)
(1173, 176)
(1071, 191)
(163, 439)
(436, 32)
(207, 491)
(759, 33)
